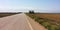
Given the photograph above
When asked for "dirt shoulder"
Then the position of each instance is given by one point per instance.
(35, 25)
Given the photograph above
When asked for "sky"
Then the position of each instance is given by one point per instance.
(26, 5)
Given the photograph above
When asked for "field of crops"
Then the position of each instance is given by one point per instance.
(6, 14)
(49, 21)
(54, 17)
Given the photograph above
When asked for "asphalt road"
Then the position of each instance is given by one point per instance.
(14, 22)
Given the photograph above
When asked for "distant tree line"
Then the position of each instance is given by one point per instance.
(31, 12)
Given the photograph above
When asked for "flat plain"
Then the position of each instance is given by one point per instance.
(52, 16)
(6, 14)
(51, 21)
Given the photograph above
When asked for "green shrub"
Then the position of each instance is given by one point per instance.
(37, 19)
(40, 21)
(54, 27)
(34, 17)
(46, 24)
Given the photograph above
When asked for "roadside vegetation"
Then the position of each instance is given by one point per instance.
(46, 22)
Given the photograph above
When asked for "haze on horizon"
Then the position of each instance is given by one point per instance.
(50, 6)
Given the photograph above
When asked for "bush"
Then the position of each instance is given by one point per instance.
(41, 21)
(54, 27)
(37, 19)
(34, 17)
(46, 24)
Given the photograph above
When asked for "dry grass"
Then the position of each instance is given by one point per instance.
(55, 17)
(49, 21)
(52, 16)
(6, 14)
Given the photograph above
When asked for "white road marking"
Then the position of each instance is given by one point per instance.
(28, 23)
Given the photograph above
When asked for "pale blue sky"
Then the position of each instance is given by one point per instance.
(25, 5)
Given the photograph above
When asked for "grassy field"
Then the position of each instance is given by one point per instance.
(53, 17)
(6, 14)
(49, 21)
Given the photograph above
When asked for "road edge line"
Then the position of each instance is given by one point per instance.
(28, 22)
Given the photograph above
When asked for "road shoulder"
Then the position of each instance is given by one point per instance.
(35, 25)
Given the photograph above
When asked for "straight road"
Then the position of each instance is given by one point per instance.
(19, 22)
(14, 22)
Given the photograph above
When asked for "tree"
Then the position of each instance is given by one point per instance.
(31, 12)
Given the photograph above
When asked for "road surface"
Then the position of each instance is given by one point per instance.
(15, 22)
